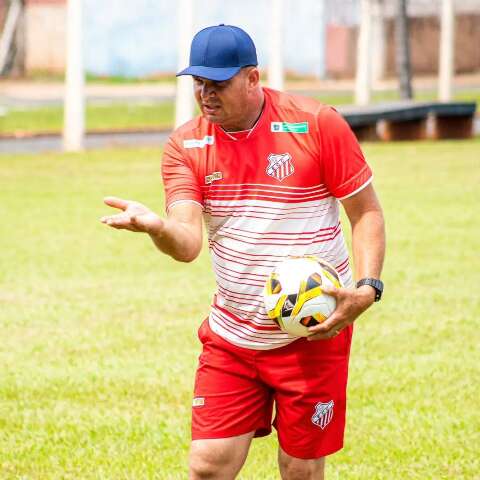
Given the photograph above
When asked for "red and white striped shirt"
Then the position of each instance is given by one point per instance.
(266, 195)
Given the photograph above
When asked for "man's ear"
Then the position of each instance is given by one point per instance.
(253, 76)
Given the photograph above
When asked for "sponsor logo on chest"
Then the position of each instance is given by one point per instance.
(286, 127)
(280, 166)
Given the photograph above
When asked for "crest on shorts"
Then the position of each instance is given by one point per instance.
(280, 165)
(323, 414)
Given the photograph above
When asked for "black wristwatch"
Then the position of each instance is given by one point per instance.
(375, 283)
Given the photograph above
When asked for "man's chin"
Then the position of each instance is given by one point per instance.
(212, 118)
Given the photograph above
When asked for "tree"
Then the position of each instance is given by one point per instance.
(12, 39)
(404, 70)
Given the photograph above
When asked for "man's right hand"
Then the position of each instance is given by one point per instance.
(134, 217)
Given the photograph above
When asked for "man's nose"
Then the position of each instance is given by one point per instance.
(207, 91)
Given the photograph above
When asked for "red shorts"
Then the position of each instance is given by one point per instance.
(236, 388)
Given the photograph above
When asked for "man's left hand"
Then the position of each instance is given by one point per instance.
(350, 304)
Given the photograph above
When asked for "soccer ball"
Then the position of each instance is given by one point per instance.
(293, 293)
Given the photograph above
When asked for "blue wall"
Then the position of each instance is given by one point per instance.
(138, 37)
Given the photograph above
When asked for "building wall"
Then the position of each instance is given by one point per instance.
(45, 35)
(45, 2)
(425, 44)
(320, 35)
(139, 38)
(3, 12)
(341, 51)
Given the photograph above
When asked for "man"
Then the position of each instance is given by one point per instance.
(266, 171)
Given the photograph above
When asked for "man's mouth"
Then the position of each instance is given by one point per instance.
(210, 109)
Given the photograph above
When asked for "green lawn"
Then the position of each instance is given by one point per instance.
(99, 330)
(98, 117)
(347, 98)
(160, 115)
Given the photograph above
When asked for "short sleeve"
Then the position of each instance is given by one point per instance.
(179, 180)
(345, 170)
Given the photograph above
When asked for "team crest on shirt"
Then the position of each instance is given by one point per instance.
(323, 414)
(280, 166)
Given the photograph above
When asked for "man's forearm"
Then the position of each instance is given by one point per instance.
(368, 244)
(177, 240)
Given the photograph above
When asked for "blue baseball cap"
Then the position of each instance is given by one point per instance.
(219, 52)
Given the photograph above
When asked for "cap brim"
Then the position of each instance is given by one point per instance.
(211, 73)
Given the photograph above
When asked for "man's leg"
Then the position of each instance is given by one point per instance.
(310, 380)
(292, 468)
(231, 404)
(218, 458)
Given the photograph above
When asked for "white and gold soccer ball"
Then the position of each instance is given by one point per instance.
(293, 293)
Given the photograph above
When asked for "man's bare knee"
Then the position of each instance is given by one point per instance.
(292, 468)
(218, 458)
(207, 461)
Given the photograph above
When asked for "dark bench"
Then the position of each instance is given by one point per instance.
(411, 120)
(453, 120)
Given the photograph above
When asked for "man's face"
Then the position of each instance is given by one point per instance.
(227, 102)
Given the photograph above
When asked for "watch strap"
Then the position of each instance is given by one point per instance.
(375, 283)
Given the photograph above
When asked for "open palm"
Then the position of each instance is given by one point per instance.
(134, 216)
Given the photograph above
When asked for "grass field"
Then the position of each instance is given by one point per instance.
(161, 115)
(99, 330)
(99, 117)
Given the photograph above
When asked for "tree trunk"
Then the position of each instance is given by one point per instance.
(18, 66)
(403, 51)
(11, 39)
